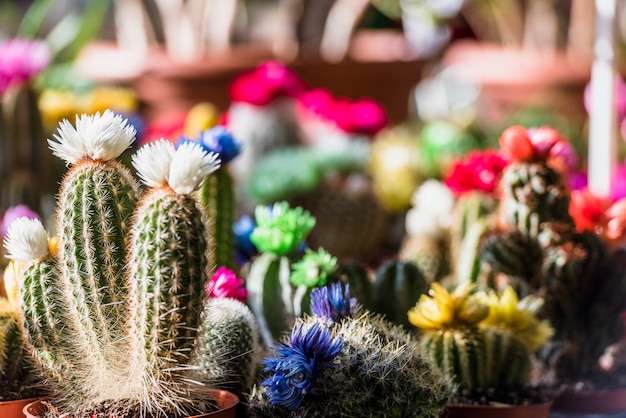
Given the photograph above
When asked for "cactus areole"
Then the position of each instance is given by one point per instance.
(113, 316)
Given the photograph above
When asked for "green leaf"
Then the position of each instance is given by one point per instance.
(32, 22)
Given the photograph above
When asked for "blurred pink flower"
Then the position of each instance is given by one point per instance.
(265, 83)
(362, 116)
(13, 213)
(225, 284)
(20, 60)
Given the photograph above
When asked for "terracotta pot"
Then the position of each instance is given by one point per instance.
(598, 402)
(13, 409)
(486, 411)
(226, 401)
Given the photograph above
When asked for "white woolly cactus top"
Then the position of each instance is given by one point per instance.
(99, 137)
(26, 240)
(183, 169)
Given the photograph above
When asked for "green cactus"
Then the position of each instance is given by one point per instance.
(17, 377)
(398, 286)
(533, 193)
(228, 346)
(272, 297)
(114, 316)
(481, 341)
(217, 194)
(379, 372)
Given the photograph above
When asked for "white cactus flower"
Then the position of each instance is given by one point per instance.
(100, 137)
(152, 162)
(431, 212)
(190, 165)
(26, 240)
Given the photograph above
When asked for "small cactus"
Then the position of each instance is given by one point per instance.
(476, 352)
(272, 297)
(114, 315)
(228, 346)
(372, 368)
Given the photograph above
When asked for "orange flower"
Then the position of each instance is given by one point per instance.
(587, 210)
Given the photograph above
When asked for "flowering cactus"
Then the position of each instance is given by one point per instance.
(345, 361)
(113, 316)
(225, 284)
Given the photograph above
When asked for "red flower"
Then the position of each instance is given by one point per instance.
(478, 171)
(587, 210)
(515, 144)
(169, 126)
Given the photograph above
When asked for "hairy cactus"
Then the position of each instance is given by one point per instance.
(228, 346)
(479, 353)
(115, 314)
(272, 297)
(361, 366)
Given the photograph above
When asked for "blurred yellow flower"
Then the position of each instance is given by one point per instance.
(441, 309)
(518, 317)
(119, 99)
(201, 117)
(56, 105)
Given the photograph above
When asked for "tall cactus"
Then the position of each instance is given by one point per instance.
(218, 195)
(115, 315)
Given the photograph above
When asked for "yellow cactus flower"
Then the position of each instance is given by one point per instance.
(56, 105)
(518, 317)
(200, 118)
(441, 309)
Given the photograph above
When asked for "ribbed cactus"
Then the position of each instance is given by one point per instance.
(17, 378)
(479, 353)
(228, 346)
(352, 364)
(114, 316)
(272, 297)
(398, 286)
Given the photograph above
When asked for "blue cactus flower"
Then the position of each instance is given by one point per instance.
(299, 363)
(242, 229)
(332, 303)
(219, 140)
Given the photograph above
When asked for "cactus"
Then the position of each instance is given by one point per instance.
(218, 195)
(398, 286)
(228, 346)
(272, 297)
(479, 353)
(378, 371)
(114, 316)
(17, 378)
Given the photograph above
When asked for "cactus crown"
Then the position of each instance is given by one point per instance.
(114, 314)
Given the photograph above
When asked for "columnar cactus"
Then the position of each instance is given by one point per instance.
(345, 361)
(114, 315)
(272, 297)
(479, 352)
(228, 346)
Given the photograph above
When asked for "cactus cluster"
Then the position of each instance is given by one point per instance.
(378, 371)
(481, 340)
(113, 315)
(538, 249)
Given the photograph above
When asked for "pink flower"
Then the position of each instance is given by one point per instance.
(225, 284)
(362, 116)
(479, 171)
(264, 84)
(13, 213)
(20, 60)
(319, 102)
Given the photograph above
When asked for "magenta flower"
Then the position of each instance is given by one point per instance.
(362, 116)
(478, 171)
(21, 60)
(264, 84)
(13, 213)
(319, 102)
(225, 284)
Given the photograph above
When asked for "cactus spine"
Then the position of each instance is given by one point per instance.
(115, 315)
